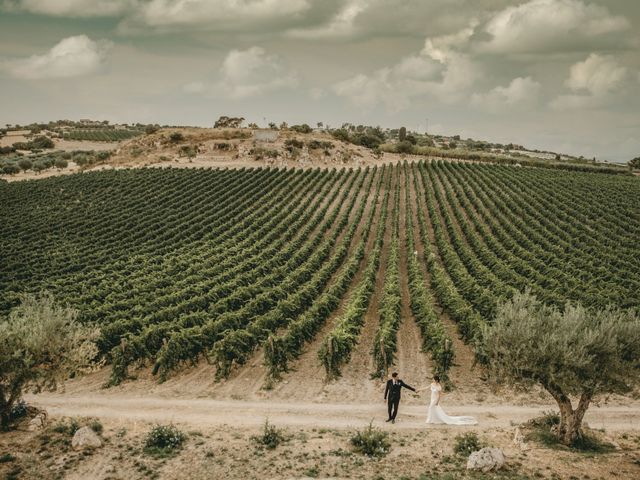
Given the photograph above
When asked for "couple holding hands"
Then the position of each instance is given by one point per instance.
(435, 414)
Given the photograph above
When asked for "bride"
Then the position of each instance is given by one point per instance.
(436, 413)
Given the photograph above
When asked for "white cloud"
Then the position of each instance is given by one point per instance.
(598, 75)
(223, 14)
(247, 73)
(593, 82)
(522, 91)
(549, 25)
(71, 57)
(70, 8)
(438, 70)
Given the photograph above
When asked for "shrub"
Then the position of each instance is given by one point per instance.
(304, 128)
(176, 137)
(372, 442)
(163, 439)
(271, 436)
(404, 147)
(292, 143)
(10, 169)
(96, 426)
(68, 428)
(42, 142)
(61, 163)
(42, 345)
(19, 410)
(25, 164)
(149, 129)
(467, 443)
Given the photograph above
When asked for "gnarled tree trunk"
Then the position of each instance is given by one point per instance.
(570, 428)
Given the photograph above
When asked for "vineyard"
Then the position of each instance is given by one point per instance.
(179, 265)
(102, 134)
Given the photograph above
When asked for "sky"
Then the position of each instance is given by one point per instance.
(560, 75)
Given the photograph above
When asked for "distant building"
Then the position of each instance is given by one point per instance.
(265, 135)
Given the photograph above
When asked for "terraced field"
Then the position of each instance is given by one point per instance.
(349, 270)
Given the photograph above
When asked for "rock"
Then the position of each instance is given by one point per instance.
(519, 441)
(85, 438)
(486, 460)
(38, 422)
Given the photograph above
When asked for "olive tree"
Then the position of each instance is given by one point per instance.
(42, 345)
(576, 353)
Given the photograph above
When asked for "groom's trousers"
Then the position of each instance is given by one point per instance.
(393, 404)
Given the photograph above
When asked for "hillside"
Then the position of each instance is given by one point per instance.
(88, 149)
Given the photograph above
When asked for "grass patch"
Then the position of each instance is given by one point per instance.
(164, 441)
(271, 436)
(372, 442)
(467, 443)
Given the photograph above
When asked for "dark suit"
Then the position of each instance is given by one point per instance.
(392, 394)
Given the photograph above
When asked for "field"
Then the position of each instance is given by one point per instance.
(228, 296)
(175, 264)
(101, 134)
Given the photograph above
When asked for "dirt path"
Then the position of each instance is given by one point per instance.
(413, 365)
(207, 412)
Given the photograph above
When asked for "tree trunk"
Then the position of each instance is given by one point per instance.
(570, 430)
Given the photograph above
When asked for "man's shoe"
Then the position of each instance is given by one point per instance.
(388, 420)
(393, 420)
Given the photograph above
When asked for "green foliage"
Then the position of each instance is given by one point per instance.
(176, 137)
(467, 443)
(304, 128)
(575, 352)
(402, 134)
(25, 164)
(110, 134)
(371, 442)
(67, 427)
(404, 146)
(163, 440)
(271, 436)
(10, 169)
(635, 163)
(61, 163)
(42, 345)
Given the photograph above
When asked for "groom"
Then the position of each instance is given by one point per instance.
(392, 393)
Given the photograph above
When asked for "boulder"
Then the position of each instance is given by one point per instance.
(38, 422)
(85, 438)
(486, 460)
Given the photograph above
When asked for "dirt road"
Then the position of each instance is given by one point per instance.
(208, 412)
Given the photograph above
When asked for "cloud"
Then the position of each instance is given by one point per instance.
(247, 73)
(341, 24)
(438, 70)
(593, 82)
(70, 8)
(522, 91)
(215, 14)
(598, 74)
(71, 57)
(549, 25)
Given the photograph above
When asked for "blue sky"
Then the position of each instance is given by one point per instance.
(551, 74)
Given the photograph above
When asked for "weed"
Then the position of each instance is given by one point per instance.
(466, 444)
(372, 442)
(271, 436)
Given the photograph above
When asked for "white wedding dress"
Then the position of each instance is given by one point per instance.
(436, 413)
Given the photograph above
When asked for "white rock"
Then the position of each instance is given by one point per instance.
(85, 438)
(486, 460)
(38, 422)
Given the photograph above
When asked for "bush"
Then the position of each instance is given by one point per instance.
(292, 143)
(61, 163)
(96, 426)
(466, 444)
(25, 164)
(10, 169)
(68, 428)
(81, 159)
(404, 147)
(42, 142)
(149, 129)
(271, 436)
(304, 128)
(42, 345)
(372, 442)
(19, 410)
(163, 439)
(176, 137)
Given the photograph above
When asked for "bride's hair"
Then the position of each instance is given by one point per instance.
(436, 378)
